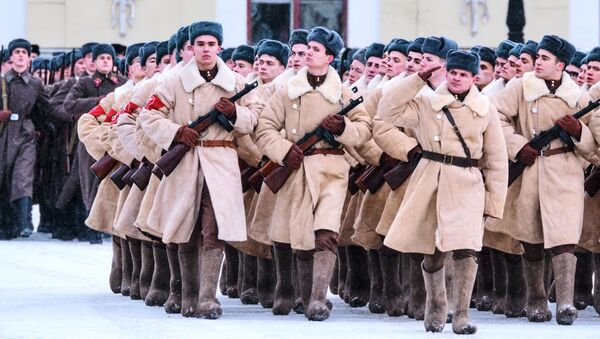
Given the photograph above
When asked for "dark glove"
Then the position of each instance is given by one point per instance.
(5, 115)
(414, 151)
(570, 125)
(294, 157)
(226, 107)
(334, 123)
(527, 155)
(426, 73)
(186, 136)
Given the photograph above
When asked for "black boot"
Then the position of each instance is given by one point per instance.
(357, 281)
(376, 297)
(266, 280)
(485, 283)
(583, 281)
(499, 280)
(22, 208)
(249, 294)
(392, 288)
(342, 269)
(8, 229)
(284, 289)
(231, 273)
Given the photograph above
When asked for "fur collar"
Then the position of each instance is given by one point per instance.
(494, 87)
(252, 77)
(331, 89)
(477, 102)
(360, 85)
(375, 82)
(535, 88)
(191, 78)
(284, 77)
(389, 85)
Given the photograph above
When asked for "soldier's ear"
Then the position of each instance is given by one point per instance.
(219, 50)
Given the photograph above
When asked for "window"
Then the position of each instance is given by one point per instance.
(275, 19)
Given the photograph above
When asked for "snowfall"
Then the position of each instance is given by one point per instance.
(57, 289)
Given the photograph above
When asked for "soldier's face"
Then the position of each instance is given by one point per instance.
(242, 68)
(383, 65)
(90, 66)
(525, 64)
(269, 68)
(150, 67)
(372, 68)
(255, 64)
(547, 66)
(298, 56)
(164, 62)
(431, 61)
(509, 69)
(396, 62)
(206, 50)
(187, 52)
(459, 81)
(230, 64)
(498, 67)
(79, 67)
(20, 58)
(104, 63)
(135, 69)
(581, 76)
(592, 74)
(413, 62)
(573, 72)
(6, 66)
(485, 75)
(356, 71)
(316, 56)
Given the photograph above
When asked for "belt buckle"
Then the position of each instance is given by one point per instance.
(543, 151)
(14, 117)
(200, 143)
(450, 161)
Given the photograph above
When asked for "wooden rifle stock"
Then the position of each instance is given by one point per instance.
(398, 174)
(170, 160)
(103, 166)
(141, 177)
(592, 182)
(372, 179)
(117, 176)
(127, 177)
(353, 175)
(246, 171)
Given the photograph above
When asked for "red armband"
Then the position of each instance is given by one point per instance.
(154, 103)
(112, 114)
(97, 111)
(130, 108)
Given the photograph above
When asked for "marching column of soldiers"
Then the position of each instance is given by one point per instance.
(416, 177)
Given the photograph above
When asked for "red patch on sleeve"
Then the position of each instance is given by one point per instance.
(97, 111)
(154, 103)
(112, 114)
(130, 108)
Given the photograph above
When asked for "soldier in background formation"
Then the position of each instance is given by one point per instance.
(298, 177)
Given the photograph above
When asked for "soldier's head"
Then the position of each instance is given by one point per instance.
(272, 59)
(323, 46)
(103, 55)
(79, 67)
(374, 55)
(397, 53)
(35, 51)
(574, 66)
(592, 73)
(553, 56)
(173, 51)
(185, 51)
(299, 47)
(415, 56)
(148, 58)
(357, 66)
(226, 57)
(163, 58)
(88, 59)
(502, 54)
(206, 38)
(509, 70)
(133, 62)
(243, 57)
(462, 67)
(435, 50)
(582, 72)
(486, 66)
(20, 54)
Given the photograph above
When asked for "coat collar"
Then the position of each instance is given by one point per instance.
(375, 82)
(284, 77)
(191, 78)
(477, 102)
(331, 89)
(11, 74)
(535, 88)
(360, 85)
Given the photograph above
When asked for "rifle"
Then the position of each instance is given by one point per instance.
(117, 176)
(141, 177)
(73, 63)
(275, 175)
(353, 175)
(103, 166)
(169, 161)
(399, 173)
(64, 65)
(592, 182)
(4, 93)
(516, 168)
(246, 172)
(127, 177)
(372, 179)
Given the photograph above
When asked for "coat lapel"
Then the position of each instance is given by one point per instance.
(331, 89)
(477, 102)
(535, 88)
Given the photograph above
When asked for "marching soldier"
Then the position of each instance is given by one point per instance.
(502, 55)
(486, 66)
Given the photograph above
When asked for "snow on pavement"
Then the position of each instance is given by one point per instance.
(55, 289)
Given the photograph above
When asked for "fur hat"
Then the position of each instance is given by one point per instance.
(206, 28)
(243, 52)
(328, 38)
(485, 54)
(40, 63)
(226, 53)
(103, 49)
(132, 52)
(577, 58)
(558, 46)
(593, 55)
(146, 51)
(298, 36)
(503, 50)
(516, 51)
(172, 43)
(530, 47)
(360, 55)
(375, 50)
(398, 45)
(275, 49)
(119, 49)
(465, 60)
(416, 45)
(87, 47)
(19, 43)
(439, 46)
(162, 49)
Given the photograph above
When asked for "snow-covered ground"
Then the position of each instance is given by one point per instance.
(55, 289)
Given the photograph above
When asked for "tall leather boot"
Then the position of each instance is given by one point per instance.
(376, 298)
(549, 277)
(240, 280)
(159, 286)
(583, 280)
(564, 266)
(249, 294)
(405, 281)
(342, 261)
(190, 281)
(499, 280)
(284, 289)
(333, 284)
(596, 295)
(127, 266)
(417, 290)
(357, 279)
(537, 301)
(485, 284)
(322, 271)
(135, 247)
(392, 289)
(449, 271)
(463, 287)
(208, 306)
(305, 278)
(516, 290)
(116, 269)
(223, 279)
(173, 303)
(436, 304)
(231, 260)
(22, 207)
(298, 304)
(147, 268)
(266, 279)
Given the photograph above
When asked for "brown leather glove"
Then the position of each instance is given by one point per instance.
(186, 136)
(334, 123)
(527, 155)
(413, 151)
(5, 115)
(294, 157)
(570, 125)
(226, 107)
(426, 73)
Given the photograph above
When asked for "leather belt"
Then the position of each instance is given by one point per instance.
(333, 151)
(215, 143)
(556, 151)
(450, 159)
